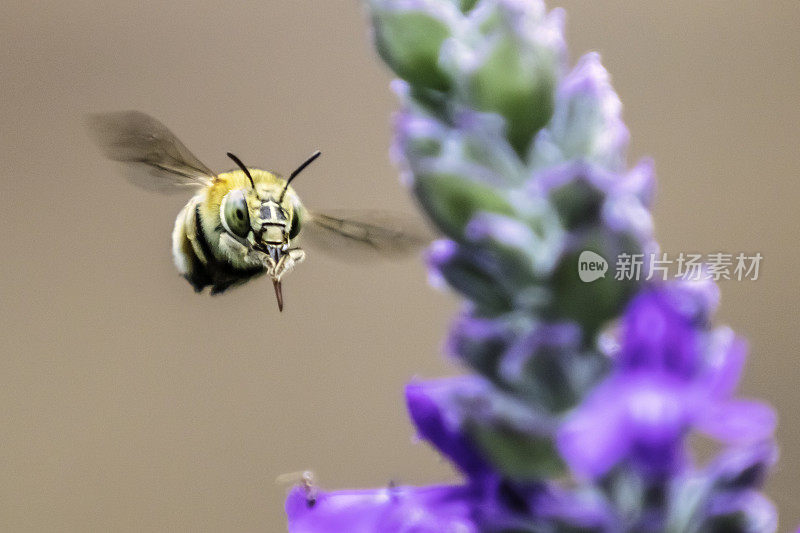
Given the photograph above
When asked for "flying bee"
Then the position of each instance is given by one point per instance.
(240, 224)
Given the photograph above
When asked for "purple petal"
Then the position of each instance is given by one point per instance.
(431, 406)
(737, 421)
(593, 439)
(586, 510)
(391, 510)
(640, 181)
(560, 175)
(696, 299)
(724, 361)
(625, 214)
(643, 417)
(657, 419)
(508, 231)
(474, 338)
(658, 337)
(758, 513)
(621, 210)
(411, 128)
(439, 254)
(743, 468)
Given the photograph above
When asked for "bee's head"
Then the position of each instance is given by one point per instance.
(271, 225)
(253, 221)
(258, 219)
(264, 223)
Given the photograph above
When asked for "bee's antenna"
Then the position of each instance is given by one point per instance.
(244, 168)
(296, 172)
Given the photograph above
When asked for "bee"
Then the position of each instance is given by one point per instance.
(243, 223)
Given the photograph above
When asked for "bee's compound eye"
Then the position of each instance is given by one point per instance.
(234, 213)
(294, 229)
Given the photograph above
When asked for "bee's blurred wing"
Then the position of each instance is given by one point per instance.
(361, 234)
(154, 158)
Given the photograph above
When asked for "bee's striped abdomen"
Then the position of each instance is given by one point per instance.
(195, 258)
(186, 259)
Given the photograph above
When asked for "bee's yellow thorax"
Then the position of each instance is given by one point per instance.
(267, 185)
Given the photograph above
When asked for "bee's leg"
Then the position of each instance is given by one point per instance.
(288, 261)
(296, 255)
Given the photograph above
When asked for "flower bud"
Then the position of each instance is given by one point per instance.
(477, 276)
(513, 72)
(452, 201)
(408, 36)
(587, 123)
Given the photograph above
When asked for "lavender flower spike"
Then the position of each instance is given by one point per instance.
(583, 394)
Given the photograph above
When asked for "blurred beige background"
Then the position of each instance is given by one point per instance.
(129, 403)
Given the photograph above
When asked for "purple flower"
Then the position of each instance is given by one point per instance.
(492, 505)
(437, 509)
(522, 167)
(671, 376)
(658, 337)
(482, 429)
(585, 510)
(434, 411)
